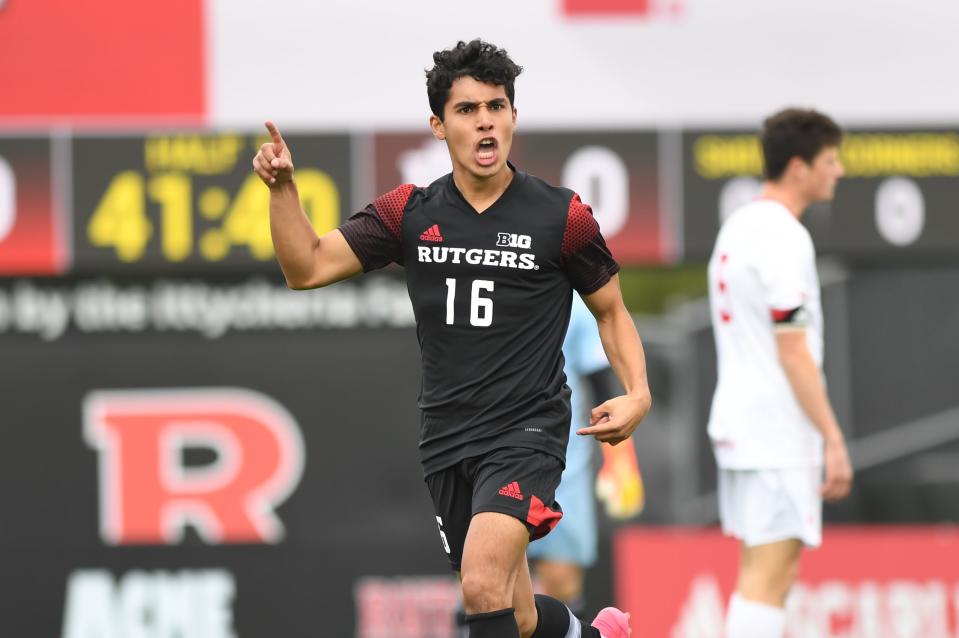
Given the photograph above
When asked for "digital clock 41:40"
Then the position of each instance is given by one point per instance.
(121, 219)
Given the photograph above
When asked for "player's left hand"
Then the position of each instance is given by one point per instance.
(839, 471)
(614, 421)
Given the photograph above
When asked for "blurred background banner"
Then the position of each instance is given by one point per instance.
(103, 63)
(863, 581)
(277, 488)
(167, 482)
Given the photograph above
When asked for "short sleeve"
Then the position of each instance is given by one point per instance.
(374, 233)
(585, 258)
(782, 265)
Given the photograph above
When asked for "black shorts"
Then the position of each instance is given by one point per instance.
(519, 482)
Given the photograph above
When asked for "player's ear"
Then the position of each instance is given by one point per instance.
(439, 129)
(797, 167)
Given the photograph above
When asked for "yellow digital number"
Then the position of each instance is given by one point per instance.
(321, 199)
(247, 221)
(173, 191)
(119, 220)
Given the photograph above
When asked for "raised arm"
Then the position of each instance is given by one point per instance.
(307, 260)
(614, 420)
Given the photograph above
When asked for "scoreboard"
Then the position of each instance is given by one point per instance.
(160, 202)
(175, 202)
(153, 204)
(897, 198)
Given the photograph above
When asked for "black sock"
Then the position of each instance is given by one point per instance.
(493, 624)
(554, 618)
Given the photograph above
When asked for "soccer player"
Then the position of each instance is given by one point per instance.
(559, 561)
(492, 255)
(771, 424)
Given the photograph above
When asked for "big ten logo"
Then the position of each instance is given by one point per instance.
(514, 241)
(149, 492)
(190, 603)
(600, 177)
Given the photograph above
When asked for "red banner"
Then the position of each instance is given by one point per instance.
(593, 7)
(864, 582)
(98, 60)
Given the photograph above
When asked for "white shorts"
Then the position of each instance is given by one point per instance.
(765, 506)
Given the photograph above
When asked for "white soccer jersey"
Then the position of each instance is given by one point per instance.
(763, 266)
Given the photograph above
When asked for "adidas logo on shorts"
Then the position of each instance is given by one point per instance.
(512, 490)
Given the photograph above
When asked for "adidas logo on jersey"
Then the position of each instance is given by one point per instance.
(512, 490)
(432, 234)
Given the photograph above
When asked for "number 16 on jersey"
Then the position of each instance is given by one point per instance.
(481, 308)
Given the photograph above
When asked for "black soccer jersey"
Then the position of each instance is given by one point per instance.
(491, 293)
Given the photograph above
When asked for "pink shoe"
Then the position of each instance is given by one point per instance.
(612, 623)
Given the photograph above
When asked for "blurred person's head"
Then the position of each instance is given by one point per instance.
(471, 95)
(801, 153)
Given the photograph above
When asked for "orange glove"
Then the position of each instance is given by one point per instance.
(619, 483)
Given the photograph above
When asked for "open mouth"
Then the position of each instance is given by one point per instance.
(486, 150)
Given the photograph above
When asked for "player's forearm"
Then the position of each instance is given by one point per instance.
(810, 392)
(624, 351)
(294, 239)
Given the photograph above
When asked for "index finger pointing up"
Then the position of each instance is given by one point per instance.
(278, 143)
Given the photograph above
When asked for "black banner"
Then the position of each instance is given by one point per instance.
(254, 476)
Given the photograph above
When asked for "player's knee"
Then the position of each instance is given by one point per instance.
(482, 593)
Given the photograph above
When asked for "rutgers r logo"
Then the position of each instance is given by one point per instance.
(148, 494)
(513, 241)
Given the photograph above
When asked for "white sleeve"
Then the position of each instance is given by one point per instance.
(782, 264)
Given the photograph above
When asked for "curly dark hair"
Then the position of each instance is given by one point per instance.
(795, 133)
(480, 60)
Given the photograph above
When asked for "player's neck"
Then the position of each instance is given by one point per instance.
(793, 201)
(481, 192)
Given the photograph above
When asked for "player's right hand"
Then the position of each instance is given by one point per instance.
(838, 480)
(273, 162)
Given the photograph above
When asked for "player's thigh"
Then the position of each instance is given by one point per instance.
(495, 544)
(452, 493)
(774, 559)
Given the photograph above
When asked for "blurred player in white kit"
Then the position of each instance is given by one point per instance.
(776, 439)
